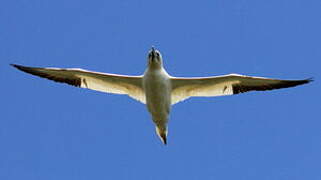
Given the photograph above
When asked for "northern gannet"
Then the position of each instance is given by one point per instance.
(157, 89)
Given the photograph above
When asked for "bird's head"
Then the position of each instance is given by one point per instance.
(155, 59)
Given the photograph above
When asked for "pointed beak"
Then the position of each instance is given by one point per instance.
(153, 52)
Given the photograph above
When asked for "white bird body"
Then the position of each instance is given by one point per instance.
(157, 89)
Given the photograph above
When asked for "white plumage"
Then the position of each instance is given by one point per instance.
(157, 89)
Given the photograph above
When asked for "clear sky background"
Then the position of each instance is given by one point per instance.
(55, 131)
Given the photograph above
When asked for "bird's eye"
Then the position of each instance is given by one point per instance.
(157, 54)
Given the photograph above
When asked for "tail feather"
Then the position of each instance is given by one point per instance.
(162, 134)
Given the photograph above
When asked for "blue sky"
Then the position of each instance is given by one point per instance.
(55, 131)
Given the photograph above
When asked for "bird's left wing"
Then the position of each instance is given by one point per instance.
(109, 83)
(183, 88)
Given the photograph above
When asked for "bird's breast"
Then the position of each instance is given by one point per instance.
(157, 89)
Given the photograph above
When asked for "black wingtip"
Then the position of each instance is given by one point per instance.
(17, 66)
(22, 68)
(14, 65)
(311, 79)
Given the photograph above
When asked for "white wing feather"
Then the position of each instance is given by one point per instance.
(183, 88)
(109, 83)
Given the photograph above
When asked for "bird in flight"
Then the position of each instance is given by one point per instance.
(157, 89)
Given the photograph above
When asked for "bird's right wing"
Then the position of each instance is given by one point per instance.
(109, 83)
(183, 88)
